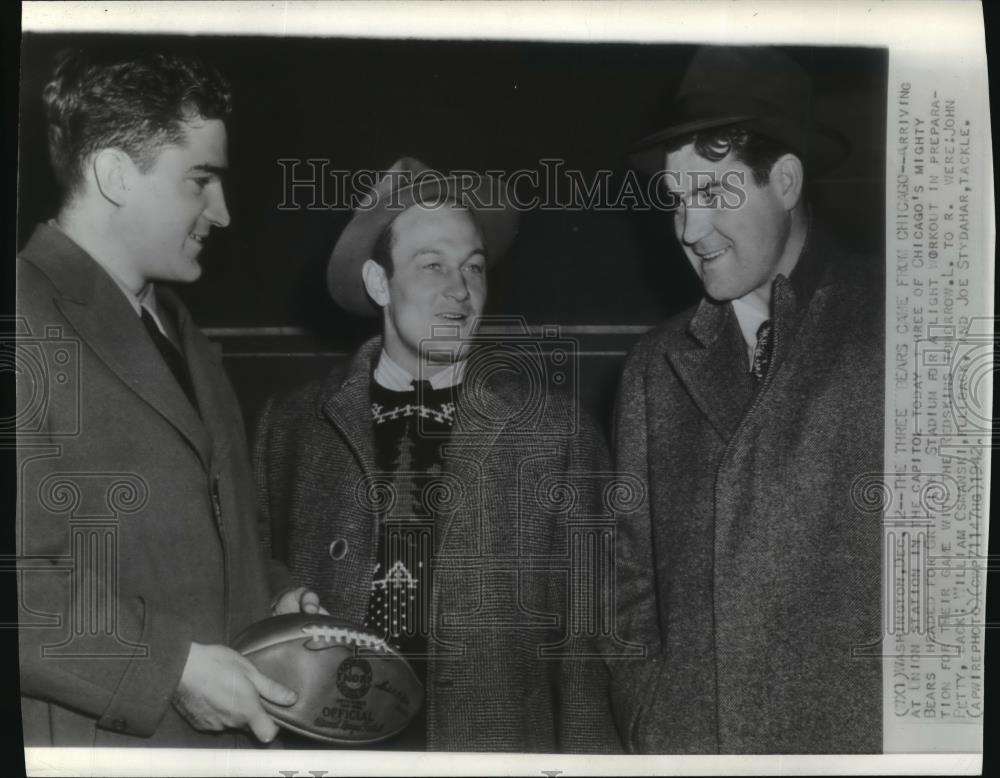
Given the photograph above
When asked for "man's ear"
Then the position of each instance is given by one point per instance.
(787, 178)
(376, 282)
(113, 171)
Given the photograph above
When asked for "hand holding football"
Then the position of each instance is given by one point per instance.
(352, 687)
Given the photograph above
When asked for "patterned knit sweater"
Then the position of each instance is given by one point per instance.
(410, 428)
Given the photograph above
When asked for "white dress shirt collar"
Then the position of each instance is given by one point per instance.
(145, 299)
(390, 375)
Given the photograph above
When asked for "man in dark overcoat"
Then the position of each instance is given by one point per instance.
(428, 488)
(753, 578)
(138, 555)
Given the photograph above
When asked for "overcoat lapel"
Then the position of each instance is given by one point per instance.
(204, 361)
(347, 404)
(711, 364)
(711, 361)
(102, 317)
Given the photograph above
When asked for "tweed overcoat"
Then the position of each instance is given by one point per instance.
(753, 576)
(499, 548)
(137, 525)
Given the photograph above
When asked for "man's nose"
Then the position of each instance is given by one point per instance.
(217, 213)
(695, 224)
(458, 287)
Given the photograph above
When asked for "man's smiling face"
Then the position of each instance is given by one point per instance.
(734, 251)
(438, 285)
(174, 205)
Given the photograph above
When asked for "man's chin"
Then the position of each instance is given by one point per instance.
(720, 291)
(186, 270)
(186, 275)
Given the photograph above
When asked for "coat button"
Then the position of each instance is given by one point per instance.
(118, 725)
(338, 549)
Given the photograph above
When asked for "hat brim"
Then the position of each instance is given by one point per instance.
(497, 221)
(820, 147)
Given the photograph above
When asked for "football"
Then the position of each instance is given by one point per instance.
(352, 688)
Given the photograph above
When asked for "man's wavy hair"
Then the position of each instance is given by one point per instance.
(758, 152)
(135, 102)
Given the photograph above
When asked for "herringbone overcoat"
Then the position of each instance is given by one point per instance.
(520, 468)
(753, 577)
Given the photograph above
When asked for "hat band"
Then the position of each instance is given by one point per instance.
(701, 106)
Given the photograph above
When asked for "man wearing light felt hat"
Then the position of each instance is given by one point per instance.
(754, 580)
(403, 487)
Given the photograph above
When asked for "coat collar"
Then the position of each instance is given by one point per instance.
(70, 269)
(712, 365)
(97, 309)
(482, 414)
(346, 401)
(345, 398)
(789, 295)
(714, 354)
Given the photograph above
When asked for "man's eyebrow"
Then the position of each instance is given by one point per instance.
(218, 170)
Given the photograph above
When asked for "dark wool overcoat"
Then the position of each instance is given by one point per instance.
(136, 516)
(753, 577)
(521, 467)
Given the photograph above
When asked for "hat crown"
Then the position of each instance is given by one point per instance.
(756, 80)
(399, 175)
(759, 88)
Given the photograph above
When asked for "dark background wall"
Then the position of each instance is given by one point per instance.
(603, 276)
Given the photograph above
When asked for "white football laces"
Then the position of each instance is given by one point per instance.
(343, 635)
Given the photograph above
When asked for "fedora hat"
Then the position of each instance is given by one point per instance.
(407, 183)
(757, 87)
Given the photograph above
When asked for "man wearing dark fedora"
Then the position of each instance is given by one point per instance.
(753, 578)
(409, 487)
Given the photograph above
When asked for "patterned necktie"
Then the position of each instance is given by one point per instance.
(171, 355)
(762, 351)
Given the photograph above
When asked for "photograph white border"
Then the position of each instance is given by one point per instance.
(946, 38)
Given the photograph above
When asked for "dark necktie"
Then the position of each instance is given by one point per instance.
(171, 355)
(762, 351)
(423, 388)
